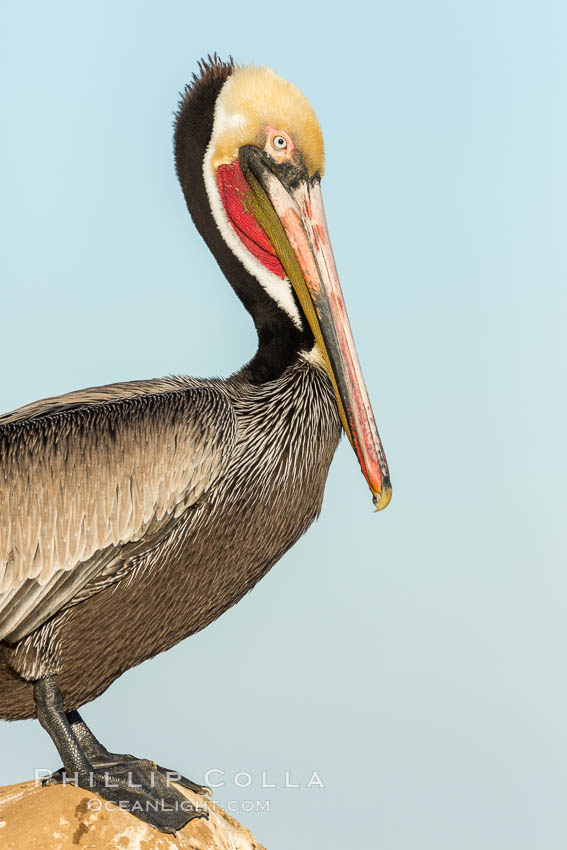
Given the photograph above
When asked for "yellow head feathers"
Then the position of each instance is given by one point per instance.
(254, 97)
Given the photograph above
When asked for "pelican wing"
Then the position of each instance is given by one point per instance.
(94, 478)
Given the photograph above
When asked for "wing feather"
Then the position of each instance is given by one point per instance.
(86, 481)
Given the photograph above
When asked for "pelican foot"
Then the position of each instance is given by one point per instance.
(134, 785)
(140, 787)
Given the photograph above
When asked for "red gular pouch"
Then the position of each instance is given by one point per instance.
(234, 190)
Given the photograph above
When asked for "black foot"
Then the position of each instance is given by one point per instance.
(142, 788)
(134, 785)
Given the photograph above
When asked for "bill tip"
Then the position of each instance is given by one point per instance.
(381, 499)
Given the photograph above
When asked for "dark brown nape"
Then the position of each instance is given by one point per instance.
(279, 341)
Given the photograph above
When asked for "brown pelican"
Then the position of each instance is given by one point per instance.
(133, 515)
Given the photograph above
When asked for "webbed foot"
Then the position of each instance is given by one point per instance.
(138, 786)
(142, 788)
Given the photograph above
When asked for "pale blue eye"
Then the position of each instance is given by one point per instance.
(279, 143)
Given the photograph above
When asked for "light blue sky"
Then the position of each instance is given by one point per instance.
(415, 658)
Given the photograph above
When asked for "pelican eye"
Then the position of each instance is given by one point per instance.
(279, 143)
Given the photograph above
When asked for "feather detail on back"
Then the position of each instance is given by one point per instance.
(93, 478)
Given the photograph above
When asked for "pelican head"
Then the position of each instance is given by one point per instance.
(262, 169)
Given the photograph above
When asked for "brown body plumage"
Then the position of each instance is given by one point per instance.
(218, 546)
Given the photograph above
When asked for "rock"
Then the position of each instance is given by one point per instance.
(59, 818)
